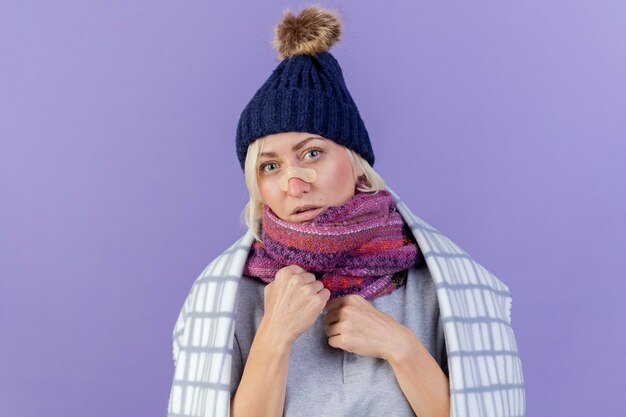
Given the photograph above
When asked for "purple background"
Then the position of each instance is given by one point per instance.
(500, 123)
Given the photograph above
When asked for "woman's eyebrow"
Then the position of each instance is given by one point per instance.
(295, 147)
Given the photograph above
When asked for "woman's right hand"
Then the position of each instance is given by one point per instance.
(293, 302)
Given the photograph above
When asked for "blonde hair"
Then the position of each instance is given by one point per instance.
(253, 212)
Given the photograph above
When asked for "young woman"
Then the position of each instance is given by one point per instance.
(338, 301)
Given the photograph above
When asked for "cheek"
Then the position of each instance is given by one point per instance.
(342, 176)
(265, 192)
(271, 194)
(345, 170)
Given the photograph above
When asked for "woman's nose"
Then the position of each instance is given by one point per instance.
(296, 187)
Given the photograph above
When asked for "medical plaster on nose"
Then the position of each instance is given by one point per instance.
(306, 174)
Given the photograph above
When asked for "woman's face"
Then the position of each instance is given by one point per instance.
(334, 183)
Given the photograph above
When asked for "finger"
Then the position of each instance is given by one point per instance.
(335, 303)
(332, 330)
(324, 294)
(339, 342)
(313, 287)
(295, 268)
(354, 299)
(332, 316)
(305, 277)
(289, 271)
(317, 286)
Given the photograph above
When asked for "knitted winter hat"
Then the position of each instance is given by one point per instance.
(306, 92)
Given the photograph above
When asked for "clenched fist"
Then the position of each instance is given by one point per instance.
(293, 302)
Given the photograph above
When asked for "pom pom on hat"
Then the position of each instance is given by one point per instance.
(311, 32)
(306, 92)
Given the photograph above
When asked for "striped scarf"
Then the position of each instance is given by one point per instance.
(361, 247)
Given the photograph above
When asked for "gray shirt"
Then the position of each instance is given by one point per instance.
(326, 381)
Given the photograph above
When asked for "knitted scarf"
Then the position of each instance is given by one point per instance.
(361, 247)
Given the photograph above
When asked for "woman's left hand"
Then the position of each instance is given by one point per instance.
(354, 325)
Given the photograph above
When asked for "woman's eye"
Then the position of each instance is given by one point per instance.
(265, 168)
(315, 152)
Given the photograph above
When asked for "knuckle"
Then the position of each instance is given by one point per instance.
(307, 277)
(317, 286)
(347, 342)
(288, 270)
(353, 297)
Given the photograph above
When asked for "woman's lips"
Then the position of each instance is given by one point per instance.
(307, 215)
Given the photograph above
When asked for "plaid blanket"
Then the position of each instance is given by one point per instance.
(485, 369)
